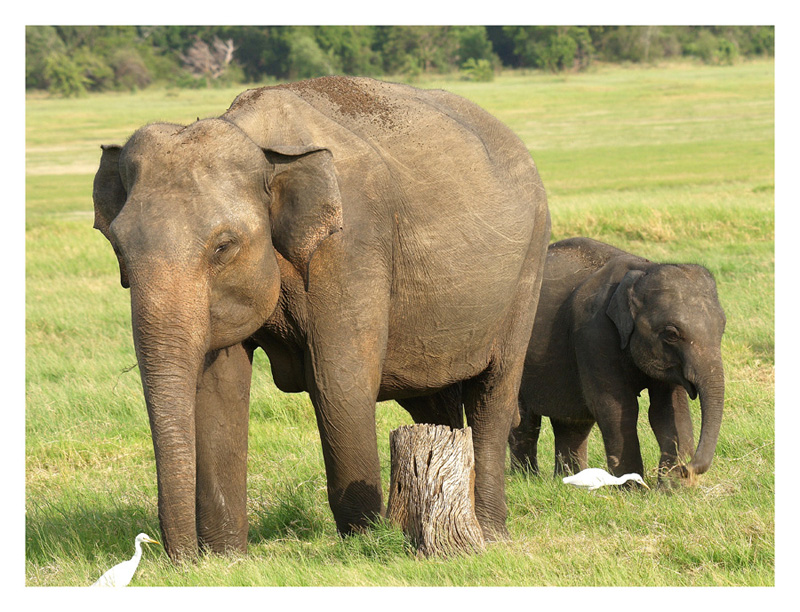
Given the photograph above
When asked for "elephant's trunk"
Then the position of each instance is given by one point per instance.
(170, 331)
(710, 383)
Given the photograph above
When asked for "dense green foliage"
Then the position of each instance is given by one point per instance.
(70, 60)
(650, 160)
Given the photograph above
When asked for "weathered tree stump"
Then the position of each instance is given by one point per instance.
(432, 489)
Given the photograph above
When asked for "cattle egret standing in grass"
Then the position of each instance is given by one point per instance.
(594, 478)
(120, 575)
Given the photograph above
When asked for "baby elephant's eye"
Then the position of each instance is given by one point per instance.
(670, 334)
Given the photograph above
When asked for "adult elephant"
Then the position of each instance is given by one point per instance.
(609, 325)
(376, 240)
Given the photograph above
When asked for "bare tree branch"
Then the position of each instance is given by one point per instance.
(202, 60)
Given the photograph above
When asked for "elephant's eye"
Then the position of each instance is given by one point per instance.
(225, 250)
(671, 334)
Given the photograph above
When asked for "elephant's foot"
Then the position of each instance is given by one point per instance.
(524, 462)
(495, 533)
(676, 476)
(565, 467)
(180, 550)
(223, 542)
(357, 508)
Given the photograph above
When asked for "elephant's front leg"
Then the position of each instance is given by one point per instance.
(221, 420)
(343, 366)
(671, 421)
(617, 415)
(344, 394)
(612, 403)
(571, 445)
(347, 330)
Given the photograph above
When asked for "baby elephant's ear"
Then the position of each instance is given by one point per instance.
(623, 306)
(306, 205)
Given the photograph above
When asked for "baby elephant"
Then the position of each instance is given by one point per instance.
(610, 324)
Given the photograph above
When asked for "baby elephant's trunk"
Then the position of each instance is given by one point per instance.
(710, 385)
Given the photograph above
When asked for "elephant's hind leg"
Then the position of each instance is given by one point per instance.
(221, 421)
(491, 406)
(489, 402)
(524, 439)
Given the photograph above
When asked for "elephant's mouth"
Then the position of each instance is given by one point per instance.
(690, 389)
(677, 377)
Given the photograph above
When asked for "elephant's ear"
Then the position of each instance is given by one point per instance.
(623, 306)
(306, 205)
(109, 197)
(108, 193)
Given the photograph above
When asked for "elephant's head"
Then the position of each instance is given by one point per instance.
(670, 320)
(198, 217)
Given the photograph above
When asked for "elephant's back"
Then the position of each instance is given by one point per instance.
(582, 254)
(425, 162)
(580, 264)
(401, 124)
(568, 264)
(325, 109)
(374, 109)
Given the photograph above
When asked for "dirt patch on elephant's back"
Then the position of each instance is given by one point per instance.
(351, 97)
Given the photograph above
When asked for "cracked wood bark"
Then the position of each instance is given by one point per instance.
(432, 489)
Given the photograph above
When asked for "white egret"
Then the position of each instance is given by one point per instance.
(594, 478)
(120, 575)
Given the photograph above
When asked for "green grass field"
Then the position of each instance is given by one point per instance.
(674, 163)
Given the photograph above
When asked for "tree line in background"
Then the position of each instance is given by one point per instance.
(71, 60)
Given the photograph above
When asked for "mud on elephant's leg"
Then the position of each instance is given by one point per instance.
(221, 422)
(571, 445)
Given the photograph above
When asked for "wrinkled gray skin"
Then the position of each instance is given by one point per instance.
(377, 241)
(610, 324)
